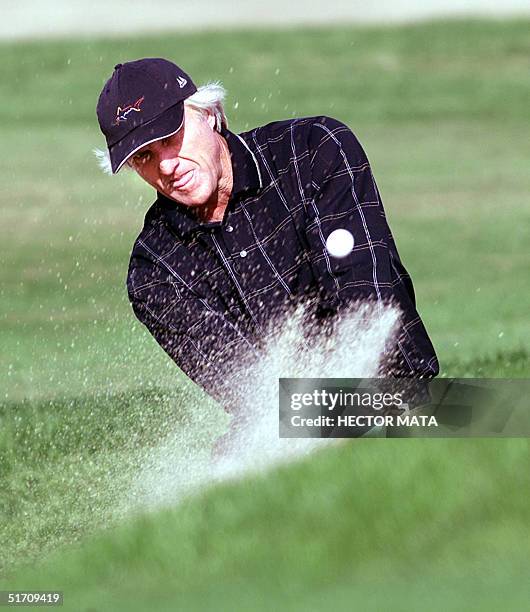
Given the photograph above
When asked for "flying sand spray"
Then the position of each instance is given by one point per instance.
(355, 349)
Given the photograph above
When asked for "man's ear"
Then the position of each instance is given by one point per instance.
(210, 117)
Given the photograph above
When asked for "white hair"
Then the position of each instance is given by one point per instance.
(103, 159)
(208, 98)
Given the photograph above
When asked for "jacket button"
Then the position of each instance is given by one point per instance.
(243, 253)
(229, 228)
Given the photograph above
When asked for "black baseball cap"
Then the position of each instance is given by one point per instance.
(143, 101)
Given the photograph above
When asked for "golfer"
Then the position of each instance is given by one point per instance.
(236, 237)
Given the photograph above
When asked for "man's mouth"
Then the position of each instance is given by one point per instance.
(183, 180)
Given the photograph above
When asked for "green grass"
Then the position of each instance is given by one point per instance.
(441, 109)
(441, 526)
(67, 464)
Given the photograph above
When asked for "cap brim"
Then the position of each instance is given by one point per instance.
(166, 124)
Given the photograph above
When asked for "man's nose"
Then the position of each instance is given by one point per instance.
(167, 164)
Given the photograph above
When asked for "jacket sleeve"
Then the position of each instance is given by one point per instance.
(344, 195)
(201, 341)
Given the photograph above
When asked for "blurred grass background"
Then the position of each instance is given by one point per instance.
(442, 111)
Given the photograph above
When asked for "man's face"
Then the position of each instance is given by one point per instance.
(185, 167)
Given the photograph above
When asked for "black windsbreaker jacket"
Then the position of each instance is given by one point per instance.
(208, 292)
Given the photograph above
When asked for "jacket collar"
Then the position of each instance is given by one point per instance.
(246, 179)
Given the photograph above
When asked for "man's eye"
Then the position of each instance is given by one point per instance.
(142, 157)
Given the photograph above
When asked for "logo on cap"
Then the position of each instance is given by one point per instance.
(181, 81)
(121, 113)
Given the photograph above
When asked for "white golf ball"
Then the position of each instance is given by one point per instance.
(339, 243)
